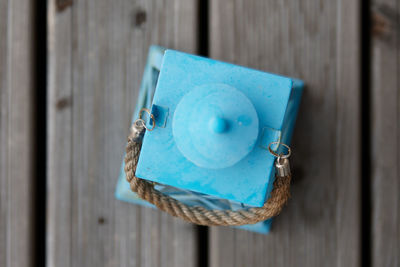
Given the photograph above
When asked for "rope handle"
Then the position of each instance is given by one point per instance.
(197, 214)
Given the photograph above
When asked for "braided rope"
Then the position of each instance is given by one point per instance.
(197, 214)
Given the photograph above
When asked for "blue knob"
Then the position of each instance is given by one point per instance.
(218, 125)
(215, 126)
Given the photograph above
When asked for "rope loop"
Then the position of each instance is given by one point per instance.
(197, 214)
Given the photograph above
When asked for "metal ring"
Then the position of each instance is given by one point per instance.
(152, 119)
(140, 122)
(283, 156)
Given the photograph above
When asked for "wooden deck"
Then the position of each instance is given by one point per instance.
(62, 139)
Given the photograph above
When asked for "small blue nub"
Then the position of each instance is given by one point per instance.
(218, 125)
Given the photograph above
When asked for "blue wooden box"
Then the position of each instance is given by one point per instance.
(238, 171)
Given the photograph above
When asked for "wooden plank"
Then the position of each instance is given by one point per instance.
(97, 51)
(317, 41)
(16, 133)
(385, 129)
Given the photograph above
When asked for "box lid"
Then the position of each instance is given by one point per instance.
(214, 122)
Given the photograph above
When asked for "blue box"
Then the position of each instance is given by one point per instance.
(199, 158)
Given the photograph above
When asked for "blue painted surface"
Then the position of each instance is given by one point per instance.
(217, 125)
(188, 157)
(211, 130)
(145, 99)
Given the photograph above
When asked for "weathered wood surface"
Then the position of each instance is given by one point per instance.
(96, 56)
(317, 41)
(97, 51)
(385, 133)
(16, 133)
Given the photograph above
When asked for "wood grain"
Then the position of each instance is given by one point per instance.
(16, 133)
(385, 133)
(97, 51)
(317, 41)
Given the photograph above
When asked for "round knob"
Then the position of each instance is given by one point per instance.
(218, 125)
(215, 126)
